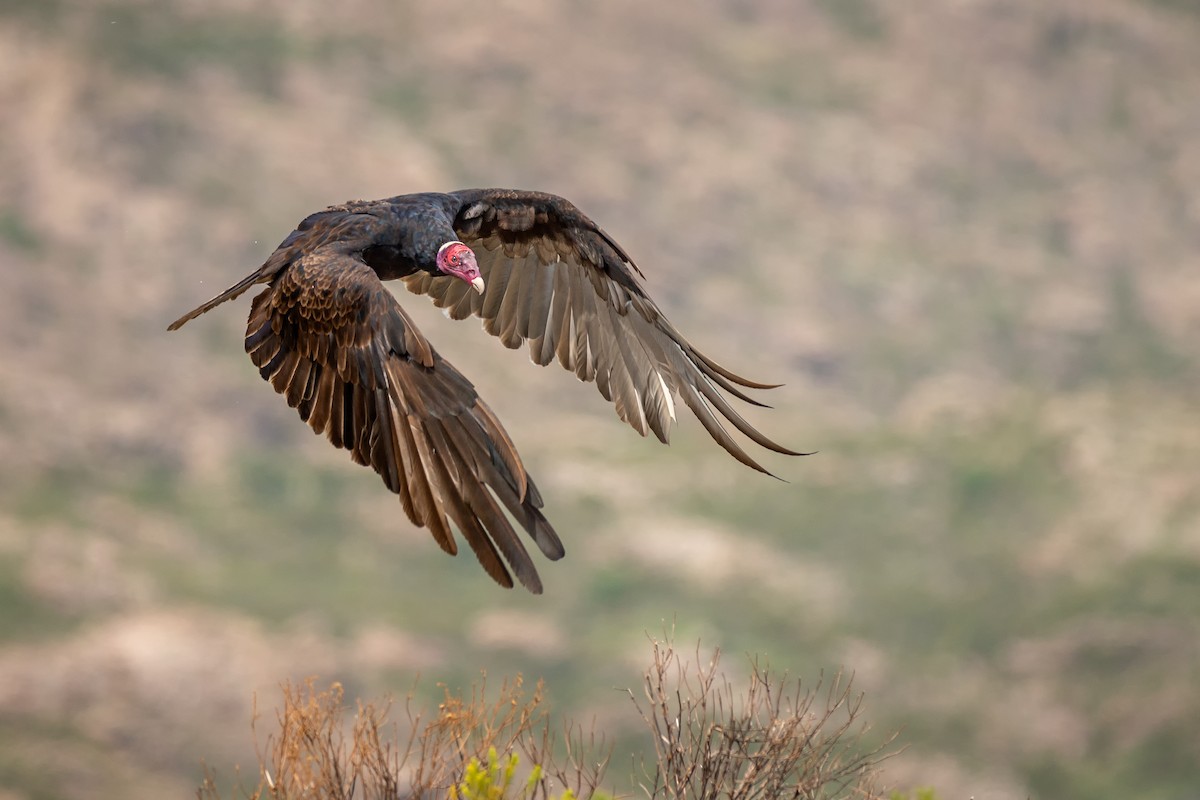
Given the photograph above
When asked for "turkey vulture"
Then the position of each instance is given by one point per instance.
(331, 339)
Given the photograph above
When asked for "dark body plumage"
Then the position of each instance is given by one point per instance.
(335, 343)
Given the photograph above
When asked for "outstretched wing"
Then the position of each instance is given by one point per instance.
(339, 348)
(557, 281)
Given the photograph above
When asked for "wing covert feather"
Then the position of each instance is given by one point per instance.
(558, 282)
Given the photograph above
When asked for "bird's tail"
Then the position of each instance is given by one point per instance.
(228, 294)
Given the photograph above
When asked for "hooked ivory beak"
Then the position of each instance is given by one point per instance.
(477, 285)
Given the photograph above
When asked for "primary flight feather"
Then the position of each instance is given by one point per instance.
(335, 343)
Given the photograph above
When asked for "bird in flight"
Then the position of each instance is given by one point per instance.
(338, 346)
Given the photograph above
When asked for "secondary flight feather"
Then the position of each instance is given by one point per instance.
(332, 340)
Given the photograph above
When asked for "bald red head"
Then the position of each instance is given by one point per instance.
(455, 258)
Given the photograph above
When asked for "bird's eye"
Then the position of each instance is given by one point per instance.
(454, 259)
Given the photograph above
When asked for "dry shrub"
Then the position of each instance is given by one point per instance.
(773, 741)
(313, 756)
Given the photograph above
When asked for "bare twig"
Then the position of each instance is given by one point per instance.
(310, 755)
(775, 741)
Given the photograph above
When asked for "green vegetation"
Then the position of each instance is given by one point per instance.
(16, 231)
(861, 19)
(965, 241)
(24, 615)
(163, 41)
(494, 780)
(1186, 6)
(924, 793)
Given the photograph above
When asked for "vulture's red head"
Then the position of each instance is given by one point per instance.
(455, 258)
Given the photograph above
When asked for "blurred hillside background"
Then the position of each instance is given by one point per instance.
(964, 233)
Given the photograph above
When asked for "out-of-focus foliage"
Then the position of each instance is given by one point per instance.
(963, 235)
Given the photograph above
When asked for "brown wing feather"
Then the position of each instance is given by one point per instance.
(338, 347)
(557, 281)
